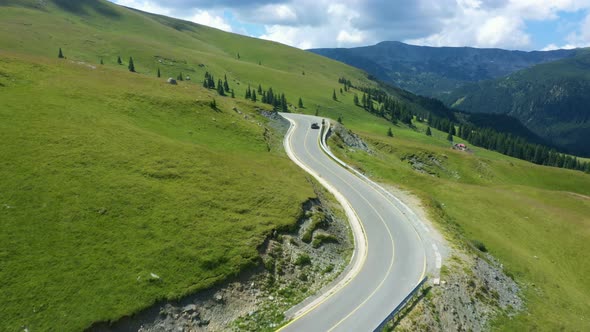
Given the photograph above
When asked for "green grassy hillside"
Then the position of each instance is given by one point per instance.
(110, 176)
(533, 218)
(96, 30)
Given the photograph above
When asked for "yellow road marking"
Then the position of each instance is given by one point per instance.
(293, 123)
(382, 221)
(401, 212)
(364, 233)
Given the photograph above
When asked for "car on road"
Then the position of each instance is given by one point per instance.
(315, 125)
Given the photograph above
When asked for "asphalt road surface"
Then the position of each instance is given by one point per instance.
(393, 260)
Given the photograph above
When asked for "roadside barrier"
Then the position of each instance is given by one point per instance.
(401, 306)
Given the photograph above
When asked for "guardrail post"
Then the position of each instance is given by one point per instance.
(401, 306)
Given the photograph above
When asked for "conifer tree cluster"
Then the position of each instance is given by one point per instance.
(277, 100)
(222, 86)
(386, 107)
(508, 144)
(209, 82)
(346, 83)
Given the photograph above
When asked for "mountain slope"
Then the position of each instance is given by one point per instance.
(432, 71)
(550, 99)
(92, 30)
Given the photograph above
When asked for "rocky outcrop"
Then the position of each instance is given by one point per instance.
(349, 138)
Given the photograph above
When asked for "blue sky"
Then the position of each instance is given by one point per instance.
(509, 24)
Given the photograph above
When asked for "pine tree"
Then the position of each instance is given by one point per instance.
(356, 99)
(213, 104)
(131, 65)
(159, 72)
(119, 61)
(340, 119)
(253, 95)
(211, 82)
(248, 93)
(284, 106)
(220, 88)
(428, 132)
(389, 132)
(450, 136)
(233, 95)
(101, 62)
(60, 55)
(239, 57)
(225, 84)
(300, 104)
(259, 89)
(334, 95)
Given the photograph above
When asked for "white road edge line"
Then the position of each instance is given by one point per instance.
(360, 248)
(414, 220)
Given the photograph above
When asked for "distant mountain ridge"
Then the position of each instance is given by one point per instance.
(432, 71)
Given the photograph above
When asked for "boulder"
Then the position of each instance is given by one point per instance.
(172, 81)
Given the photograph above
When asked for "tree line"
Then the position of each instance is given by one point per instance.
(277, 100)
(509, 145)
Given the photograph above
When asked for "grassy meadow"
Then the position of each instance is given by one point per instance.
(104, 184)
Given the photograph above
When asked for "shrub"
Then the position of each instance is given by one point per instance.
(479, 245)
(302, 260)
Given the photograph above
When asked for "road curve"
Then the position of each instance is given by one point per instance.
(390, 257)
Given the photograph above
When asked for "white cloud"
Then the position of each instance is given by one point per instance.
(276, 14)
(206, 18)
(146, 6)
(550, 47)
(348, 23)
(501, 24)
(336, 27)
(579, 38)
(502, 30)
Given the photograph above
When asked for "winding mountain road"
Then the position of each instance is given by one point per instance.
(390, 256)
